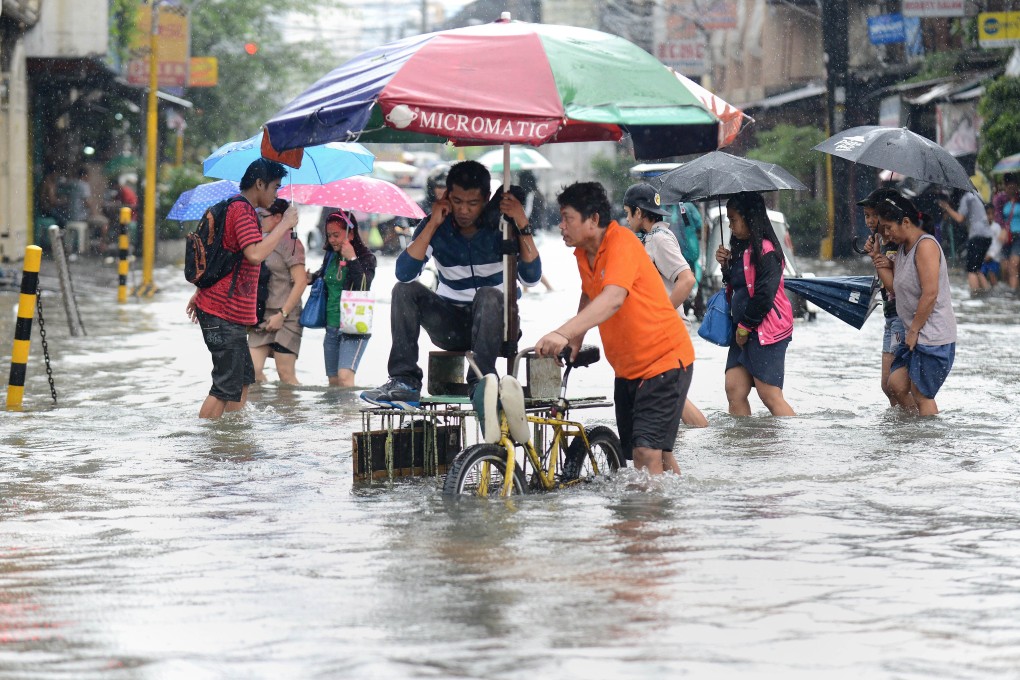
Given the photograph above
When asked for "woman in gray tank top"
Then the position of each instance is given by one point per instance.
(924, 304)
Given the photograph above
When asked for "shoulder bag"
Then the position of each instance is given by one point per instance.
(717, 325)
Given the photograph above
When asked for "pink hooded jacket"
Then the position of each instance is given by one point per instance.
(778, 323)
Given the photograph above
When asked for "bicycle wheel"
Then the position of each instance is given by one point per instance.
(480, 470)
(605, 451)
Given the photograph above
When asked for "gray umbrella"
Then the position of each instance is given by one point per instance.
(719, 174)
(899, 150)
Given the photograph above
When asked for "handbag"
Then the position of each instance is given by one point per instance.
(717, 325)
(314, 313)
(356, 310)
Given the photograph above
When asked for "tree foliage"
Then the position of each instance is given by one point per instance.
(252, 87)
(1000, 127)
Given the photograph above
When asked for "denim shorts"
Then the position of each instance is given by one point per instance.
(232, 365)
(1014, 248)
(342, 350)
(927, 366)
(894, 334)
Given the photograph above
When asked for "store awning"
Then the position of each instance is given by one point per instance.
(950, 88)
(777, 100)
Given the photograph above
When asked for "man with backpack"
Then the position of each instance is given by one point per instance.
(223, 260)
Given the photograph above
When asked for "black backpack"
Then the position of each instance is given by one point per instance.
(263, 292)
(206, 260)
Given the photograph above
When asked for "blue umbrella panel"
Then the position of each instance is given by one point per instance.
(848, 298)
(191, 204)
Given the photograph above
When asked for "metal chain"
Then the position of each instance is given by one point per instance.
(45, 346)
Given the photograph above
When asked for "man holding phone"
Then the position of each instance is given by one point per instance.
(466, 310)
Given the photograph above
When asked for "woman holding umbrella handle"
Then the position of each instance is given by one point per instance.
(924, 304)
(753, 271)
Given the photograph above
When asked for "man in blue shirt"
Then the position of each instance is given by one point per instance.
(466, 310)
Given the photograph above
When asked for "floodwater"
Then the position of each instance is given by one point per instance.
(138, 542)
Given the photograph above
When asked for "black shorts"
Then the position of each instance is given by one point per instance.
(232, 365)
(976, 250)
(648, 410)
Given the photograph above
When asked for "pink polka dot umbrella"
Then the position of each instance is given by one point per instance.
(361, 193)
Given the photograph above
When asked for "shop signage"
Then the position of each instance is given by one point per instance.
(204, 72)
(681, 43)
(998, 29)
(886, 29)
(174, 44)
(934, 8)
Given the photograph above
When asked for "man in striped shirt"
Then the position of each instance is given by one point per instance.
(225, 314)
(466, 311)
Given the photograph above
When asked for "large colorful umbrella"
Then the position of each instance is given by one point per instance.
(361, 193)
(503, 82)
(731, 119)
(319, 165)
(506, 83)
(191, 204)
(521, 158)
(899, 150)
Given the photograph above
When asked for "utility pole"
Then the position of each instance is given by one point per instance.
(147, 287)
(836, 45)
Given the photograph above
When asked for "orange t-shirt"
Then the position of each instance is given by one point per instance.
(646, 336)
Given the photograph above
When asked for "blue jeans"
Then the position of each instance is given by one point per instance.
(342, 351)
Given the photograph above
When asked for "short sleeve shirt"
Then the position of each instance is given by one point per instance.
(242, 230)
(288, 252)
(973, 211)
(662, 246)
(645, 337)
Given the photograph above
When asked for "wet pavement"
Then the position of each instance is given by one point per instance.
(139, 542)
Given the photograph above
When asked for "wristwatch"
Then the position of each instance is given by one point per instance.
(284, 312)
(743, 332)
(526, 231)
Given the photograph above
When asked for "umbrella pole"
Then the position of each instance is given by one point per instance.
(511, 328)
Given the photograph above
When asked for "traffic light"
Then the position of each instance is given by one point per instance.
(251, 48)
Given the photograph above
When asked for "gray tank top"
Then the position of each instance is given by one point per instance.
(940, 328)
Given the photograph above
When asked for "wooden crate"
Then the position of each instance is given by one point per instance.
(418, 449)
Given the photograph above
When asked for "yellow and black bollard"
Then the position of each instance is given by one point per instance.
(122, 254)
(23, 328)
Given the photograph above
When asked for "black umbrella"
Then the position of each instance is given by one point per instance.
(899, 150)
(719, 174)
(848, 298)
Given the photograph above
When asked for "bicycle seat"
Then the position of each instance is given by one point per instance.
(586, 356)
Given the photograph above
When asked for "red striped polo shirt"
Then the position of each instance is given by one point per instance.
(242, 230)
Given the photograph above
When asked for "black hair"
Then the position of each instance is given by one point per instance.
(645, 214)
(587, 198)
(262, 169)
(278, 207)
(352, 227)
(469, 175)
(751, 206)
(899, 207)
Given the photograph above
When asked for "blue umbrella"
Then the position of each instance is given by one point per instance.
(848, 298)
(191, 204)
(321, 164)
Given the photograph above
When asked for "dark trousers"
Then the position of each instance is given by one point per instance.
(477, 326)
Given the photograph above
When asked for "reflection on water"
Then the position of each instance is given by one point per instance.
(139, 542)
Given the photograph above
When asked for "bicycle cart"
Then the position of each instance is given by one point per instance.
(523, 429)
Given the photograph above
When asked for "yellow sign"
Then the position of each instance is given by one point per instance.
(173, 45)
(998, 29)
(205, 72)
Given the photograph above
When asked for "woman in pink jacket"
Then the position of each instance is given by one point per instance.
(763, 318)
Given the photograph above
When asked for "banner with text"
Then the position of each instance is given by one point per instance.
(173, 43)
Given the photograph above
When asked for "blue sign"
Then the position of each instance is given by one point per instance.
(886, 29)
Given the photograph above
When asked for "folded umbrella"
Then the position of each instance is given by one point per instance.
(719, 174)
(899, 150)
(319, 165)
(192, 204)
(361, 193)
(848, 298)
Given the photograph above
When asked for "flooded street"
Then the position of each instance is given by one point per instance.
(137, 542)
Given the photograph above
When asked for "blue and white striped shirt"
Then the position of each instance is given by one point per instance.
(465, 264)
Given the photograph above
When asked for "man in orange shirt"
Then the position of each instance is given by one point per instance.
(644, 339)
